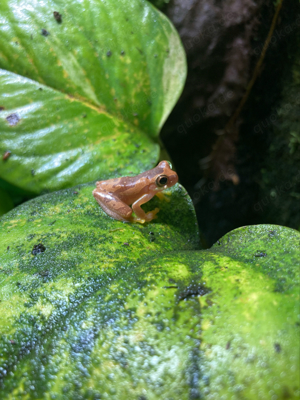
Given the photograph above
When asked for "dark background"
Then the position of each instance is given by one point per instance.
(247, 172)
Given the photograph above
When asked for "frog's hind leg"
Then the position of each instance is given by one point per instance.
(113, 206)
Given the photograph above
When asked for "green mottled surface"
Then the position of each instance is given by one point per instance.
(113, 310)
(86, 97)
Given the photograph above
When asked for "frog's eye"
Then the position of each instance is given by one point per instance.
(161, 181)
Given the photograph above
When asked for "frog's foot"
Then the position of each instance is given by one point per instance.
(149, 216)
(152, 214)
(162, 196)
(139, 220)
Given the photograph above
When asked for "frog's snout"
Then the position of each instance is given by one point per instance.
(173, 179)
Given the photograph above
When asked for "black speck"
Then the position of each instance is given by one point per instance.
(277, 347)
(260, 254)
(40, 88)
(44, 32)
(44, 273)
(57, 16)
(32, 172)
(122, 53)
(7, 248)
(13, 119)
(38, 248)
(193, 290)
(108, 53)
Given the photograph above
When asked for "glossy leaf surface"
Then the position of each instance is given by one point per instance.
(96, 308)
(86, 96)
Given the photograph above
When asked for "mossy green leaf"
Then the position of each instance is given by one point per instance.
(86, 95)
(97, 308)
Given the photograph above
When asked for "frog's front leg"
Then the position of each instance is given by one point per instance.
(140, 213)
(112, 205)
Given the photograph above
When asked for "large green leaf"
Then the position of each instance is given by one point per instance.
(85, 97)
(96, 308)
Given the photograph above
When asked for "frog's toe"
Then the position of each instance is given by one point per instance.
(162, 196)
(152, 214)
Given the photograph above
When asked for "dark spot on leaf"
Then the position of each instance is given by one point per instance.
(277, 347)
(192, 290)
(32, 172)
(2, 108)
(6, 155)
(7, 248)
(260, 254)
(228, 345)
(13, 119)
(57, 16)
(40, 88)
(38, 248)
(44, 273)
(108, 53)
(44, 32)
(122, 53)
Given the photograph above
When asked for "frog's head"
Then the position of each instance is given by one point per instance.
(166, 177)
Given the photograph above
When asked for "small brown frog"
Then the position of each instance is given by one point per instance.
(116, 195)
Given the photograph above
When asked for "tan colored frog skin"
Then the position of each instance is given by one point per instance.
(116, 195)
